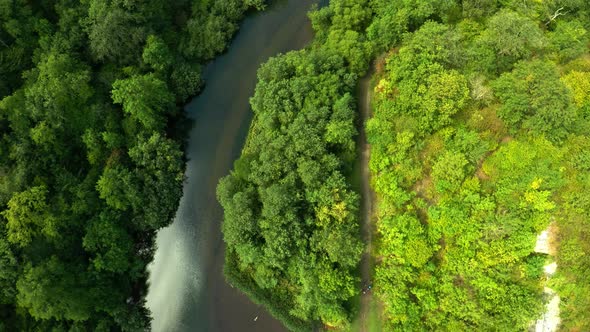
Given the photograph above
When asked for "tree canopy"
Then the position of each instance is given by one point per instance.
(90, 165)
(476, 117)
(479, 109)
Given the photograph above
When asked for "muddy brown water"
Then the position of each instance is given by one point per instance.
(187, 289)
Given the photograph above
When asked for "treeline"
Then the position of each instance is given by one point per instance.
(478, 144)
(90, 161)
(291, 218)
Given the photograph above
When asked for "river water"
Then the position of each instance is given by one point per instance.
(187, 289)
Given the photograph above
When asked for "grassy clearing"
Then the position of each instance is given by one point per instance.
(373, 320)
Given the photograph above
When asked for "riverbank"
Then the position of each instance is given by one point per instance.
(188, 291)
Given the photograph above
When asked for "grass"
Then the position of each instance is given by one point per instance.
(374, 321)
(375, 316)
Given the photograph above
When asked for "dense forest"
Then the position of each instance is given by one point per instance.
(478, 143)
(291, 216)
(90, 161)
(479, 140)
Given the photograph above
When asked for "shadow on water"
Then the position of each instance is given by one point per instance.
(187, 288)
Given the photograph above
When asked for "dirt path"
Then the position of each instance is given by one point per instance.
(550, 320)
(367, 199)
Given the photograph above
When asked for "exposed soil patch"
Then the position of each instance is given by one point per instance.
(481, 174)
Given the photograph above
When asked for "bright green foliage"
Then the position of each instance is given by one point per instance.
(156, 53)
(290, 218)
(446, 93)
(394, 18)
(460, 201)
(117, 188)
(448, 172)
(258, 4)
(430, 94)
(58, 88)
(46, 291)
(468, 161)
(109, 242)
(185, 80)
(145, 98)
(569, 39)
(533, 97)
(340, 131)
(513, 36)
(159, 174)
(579, 84)
(573, 250)
(339, 28)
(478, 143)
(27, 217)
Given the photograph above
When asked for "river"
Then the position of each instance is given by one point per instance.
(187, 289)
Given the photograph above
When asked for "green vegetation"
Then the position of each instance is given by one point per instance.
(478, 144)
(480, 122)
(90, 164)
(290, 216)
